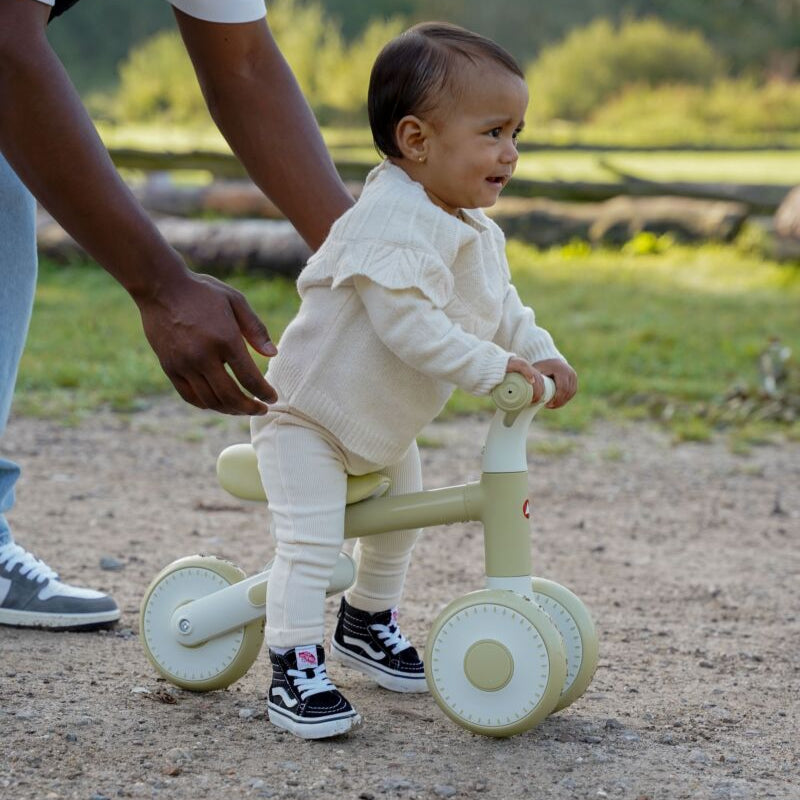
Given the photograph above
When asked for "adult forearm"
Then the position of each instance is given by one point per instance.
(49, 140)
(258, 106)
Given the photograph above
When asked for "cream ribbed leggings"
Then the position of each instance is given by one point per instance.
(304, 471)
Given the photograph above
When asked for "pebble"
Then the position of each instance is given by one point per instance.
(290, 766)
(247, 713)
(697, 756)
(178, 756)
(71, 737)
(733, 790)
(667, 738)
(444, 790)
(366, 796)
(140, 690)
(111, 564)
(395, 784)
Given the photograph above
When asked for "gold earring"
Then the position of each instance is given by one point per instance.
(422, 159)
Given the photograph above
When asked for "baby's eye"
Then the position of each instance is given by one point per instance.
(496, 132)
(515, 135)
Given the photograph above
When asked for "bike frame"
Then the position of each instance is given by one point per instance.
(499, 500)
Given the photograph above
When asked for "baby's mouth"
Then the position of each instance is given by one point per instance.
(498, 180)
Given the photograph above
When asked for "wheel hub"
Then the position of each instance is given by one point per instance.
(488, 665)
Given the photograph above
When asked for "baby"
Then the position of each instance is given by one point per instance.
(408, 298)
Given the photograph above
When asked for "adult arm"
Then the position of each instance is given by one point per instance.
(194, 323)
(256, 102)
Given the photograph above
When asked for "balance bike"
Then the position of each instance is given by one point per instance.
(498, 661)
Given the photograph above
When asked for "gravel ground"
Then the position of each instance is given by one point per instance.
(686, 555)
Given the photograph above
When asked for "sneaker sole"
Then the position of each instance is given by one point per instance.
(388, 680)
(59, 622)
(312, 730)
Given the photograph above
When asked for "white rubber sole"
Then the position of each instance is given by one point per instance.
(395, 683)
(312, 730)
(34, 619)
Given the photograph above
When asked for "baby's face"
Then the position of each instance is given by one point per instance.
(472, 147)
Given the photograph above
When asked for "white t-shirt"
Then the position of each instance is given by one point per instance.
(215, 10)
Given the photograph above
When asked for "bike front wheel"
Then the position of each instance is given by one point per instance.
(495, 662)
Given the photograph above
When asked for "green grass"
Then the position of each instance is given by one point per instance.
(768, 166)
(661, 335)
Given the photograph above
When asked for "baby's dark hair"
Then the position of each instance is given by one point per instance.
(413, 70)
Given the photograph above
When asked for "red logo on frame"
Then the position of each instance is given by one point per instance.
(526, 509)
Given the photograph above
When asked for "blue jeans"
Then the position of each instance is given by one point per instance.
(17, 284)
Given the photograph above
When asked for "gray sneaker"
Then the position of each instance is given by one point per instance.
(31, 596)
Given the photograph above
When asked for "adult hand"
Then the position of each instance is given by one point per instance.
(197, 326)
(565, 378)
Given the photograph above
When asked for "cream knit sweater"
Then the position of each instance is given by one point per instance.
(402, 303)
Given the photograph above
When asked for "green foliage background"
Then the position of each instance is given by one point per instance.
(751, 35)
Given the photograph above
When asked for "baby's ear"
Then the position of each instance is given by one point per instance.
(411, 136)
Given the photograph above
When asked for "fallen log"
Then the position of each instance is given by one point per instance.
(546, 223)
(787, 228)
(686, 219)
(269, 247)
(761, 198)
(232, 199)
(264, 247)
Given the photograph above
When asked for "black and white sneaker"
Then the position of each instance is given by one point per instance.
(32, 596)
(302, 698)
(373, 644)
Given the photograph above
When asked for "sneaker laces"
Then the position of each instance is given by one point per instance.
(316, 684)
(30, 567)
(390, 635)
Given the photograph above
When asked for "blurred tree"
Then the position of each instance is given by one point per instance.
(355, 15)
(755, 36)
(157, 81)
(96, 35)
(572, 79)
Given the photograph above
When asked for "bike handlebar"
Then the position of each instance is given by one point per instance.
(514, 392)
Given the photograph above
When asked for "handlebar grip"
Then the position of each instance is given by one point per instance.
(514, 393)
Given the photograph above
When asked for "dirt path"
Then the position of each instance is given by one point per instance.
(687, 556)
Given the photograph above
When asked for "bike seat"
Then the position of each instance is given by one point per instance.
(237, 472)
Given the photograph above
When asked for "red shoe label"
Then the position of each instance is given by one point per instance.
(526, 509)
(306, 657)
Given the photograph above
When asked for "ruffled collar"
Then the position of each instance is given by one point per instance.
(386, 170)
